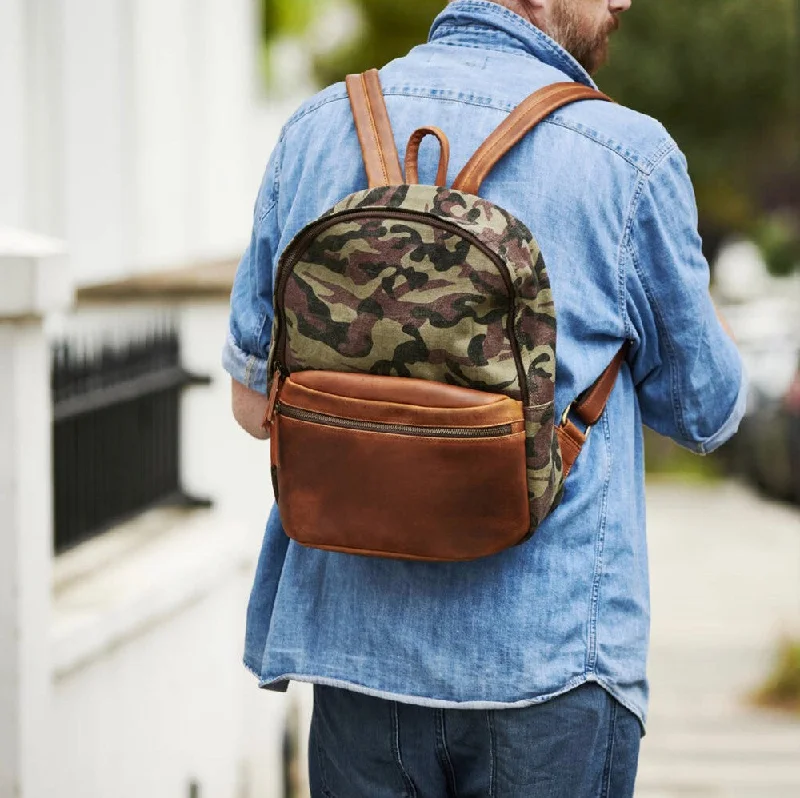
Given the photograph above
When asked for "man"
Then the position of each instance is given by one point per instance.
(520, 675)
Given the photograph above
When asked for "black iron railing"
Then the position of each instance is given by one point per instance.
(116, 433)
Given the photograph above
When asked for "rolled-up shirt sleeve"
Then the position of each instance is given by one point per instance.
(688, 372)
(246, 349)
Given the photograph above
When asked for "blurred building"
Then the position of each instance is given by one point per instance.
(133, 136)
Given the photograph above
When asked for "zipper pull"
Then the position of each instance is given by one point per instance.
(274, 394)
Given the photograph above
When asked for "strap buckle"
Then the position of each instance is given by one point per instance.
(565, 419)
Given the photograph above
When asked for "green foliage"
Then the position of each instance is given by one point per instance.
(390, 29)
(782, 690)
(285, 17)
(779, 241)
(666, 460)
(717, 75)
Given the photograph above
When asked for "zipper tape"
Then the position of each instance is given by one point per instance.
(325, 420)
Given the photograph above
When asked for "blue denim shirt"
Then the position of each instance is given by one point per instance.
(606, 192)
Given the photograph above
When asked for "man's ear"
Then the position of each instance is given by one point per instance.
(533, 10)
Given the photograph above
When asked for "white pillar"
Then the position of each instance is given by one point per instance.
(33, 281)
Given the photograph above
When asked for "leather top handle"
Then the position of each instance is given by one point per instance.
(374, 130)
(589, 408)
(518, 124)
(412, 155)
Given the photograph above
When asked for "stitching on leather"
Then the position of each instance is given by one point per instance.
(412, 153)
(374, 126)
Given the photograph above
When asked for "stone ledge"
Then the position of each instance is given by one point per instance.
(210, 280)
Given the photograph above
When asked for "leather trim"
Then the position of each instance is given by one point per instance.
(571, 441)
(589, 409)
(412, 402)
(374, 128)
(402, 390)
(593, 404)
(412, 155)
(412, 557)
(518, 124)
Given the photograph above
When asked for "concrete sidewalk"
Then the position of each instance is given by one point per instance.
(725, 570)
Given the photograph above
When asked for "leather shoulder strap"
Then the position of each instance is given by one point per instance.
(589, 408)
(518, 124)
(374, 130)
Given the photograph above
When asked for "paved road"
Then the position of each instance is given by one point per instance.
(725, 569)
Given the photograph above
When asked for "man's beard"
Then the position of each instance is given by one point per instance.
(588, 46)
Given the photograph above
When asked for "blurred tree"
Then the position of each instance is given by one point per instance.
(718, 74)
(280, 20)
(390, 29)
(284, 18)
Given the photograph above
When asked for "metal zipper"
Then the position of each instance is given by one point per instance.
(326, 420)
(292, 257)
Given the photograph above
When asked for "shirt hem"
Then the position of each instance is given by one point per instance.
(279, 684)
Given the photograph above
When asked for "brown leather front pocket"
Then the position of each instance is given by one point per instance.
(399, 468)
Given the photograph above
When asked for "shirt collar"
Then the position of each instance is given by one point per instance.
(497, 27)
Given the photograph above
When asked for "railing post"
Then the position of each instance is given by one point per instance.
(33, 282)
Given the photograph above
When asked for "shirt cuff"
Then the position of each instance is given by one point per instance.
(731, 425)
(249, 370)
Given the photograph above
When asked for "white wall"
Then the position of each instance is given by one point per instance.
(129, 129)
(160, 102)
(195, 97)
(94, 136)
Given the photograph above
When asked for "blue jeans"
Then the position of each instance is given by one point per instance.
(581, 745)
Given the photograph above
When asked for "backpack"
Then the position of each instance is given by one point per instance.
(413, 359)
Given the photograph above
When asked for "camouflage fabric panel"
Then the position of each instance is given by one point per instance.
(513, 242)
(400, 298)
(497, 229)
